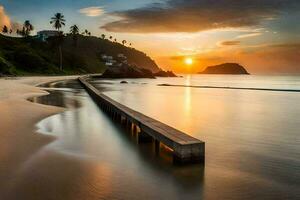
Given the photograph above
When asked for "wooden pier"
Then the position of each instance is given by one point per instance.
(185, 148)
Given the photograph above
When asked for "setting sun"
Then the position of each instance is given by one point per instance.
(188, 61)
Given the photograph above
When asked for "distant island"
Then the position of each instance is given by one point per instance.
(225, 68)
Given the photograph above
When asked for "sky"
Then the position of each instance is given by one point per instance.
(262, 35)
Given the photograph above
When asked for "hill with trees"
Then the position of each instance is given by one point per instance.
(28, 55)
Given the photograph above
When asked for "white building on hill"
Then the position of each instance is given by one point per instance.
(45, 34)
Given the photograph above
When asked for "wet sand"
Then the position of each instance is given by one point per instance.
(19, 140)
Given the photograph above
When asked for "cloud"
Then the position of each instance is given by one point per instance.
(229, 43)
(92, 11)
(4, 18)
(249, 35)
(198, 15)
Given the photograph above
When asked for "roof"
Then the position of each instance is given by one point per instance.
(47, 32)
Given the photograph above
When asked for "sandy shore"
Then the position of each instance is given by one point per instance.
(18, 137)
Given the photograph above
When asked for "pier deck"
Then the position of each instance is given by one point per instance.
(185, 148)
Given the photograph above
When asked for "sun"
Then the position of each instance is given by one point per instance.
(188, 61)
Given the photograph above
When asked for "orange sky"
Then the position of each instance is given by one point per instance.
(262, 35)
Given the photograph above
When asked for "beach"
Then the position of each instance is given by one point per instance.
(19, 140)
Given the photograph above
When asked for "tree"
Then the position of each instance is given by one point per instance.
(58, 21)
(86, 32)
(110, 37)
(74, 30)
(5, 29)
(10, 31)
(21, 32)
(115, 40)
(28, 27)
(103, 36)
(124, 42)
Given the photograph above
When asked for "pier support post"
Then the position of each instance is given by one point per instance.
(134, 129)
(144, 137)
(192, 153)
(157, 146)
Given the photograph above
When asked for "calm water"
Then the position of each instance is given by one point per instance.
(252, 142)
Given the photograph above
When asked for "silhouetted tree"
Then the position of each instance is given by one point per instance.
(10, 31)
(103, 36)
(28, 27)
(110, 37)
(124, 42)
(4, 29)
(115, 40)
(21, 32)
(74, 30)
(86, 32)
(58, 21)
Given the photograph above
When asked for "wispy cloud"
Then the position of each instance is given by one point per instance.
(229, 43)
(250, 35)
(94, 11)
(5, 20)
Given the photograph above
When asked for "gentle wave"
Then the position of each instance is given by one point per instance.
(232, 88)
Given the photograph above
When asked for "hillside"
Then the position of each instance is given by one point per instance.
(24, 56)
(225, 68)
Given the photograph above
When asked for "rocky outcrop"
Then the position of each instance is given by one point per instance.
(129, 71)
(126, 71)
(226, 68)
(165, 74)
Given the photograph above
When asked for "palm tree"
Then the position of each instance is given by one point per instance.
(103, 36)
(5, 29)
(124, 42)
(58, 21)
(74, 30)
(28, 27)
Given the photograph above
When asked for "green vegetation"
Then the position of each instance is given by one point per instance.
(77, 53)
(29, 56)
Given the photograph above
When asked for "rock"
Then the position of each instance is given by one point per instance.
(127, 71)
(165, 74)
(226, 68)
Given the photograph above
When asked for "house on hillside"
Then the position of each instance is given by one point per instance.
(111, 61)
(45, 34)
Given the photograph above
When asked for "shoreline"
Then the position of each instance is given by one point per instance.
(18, 124)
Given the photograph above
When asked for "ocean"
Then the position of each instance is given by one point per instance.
(252, 138)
